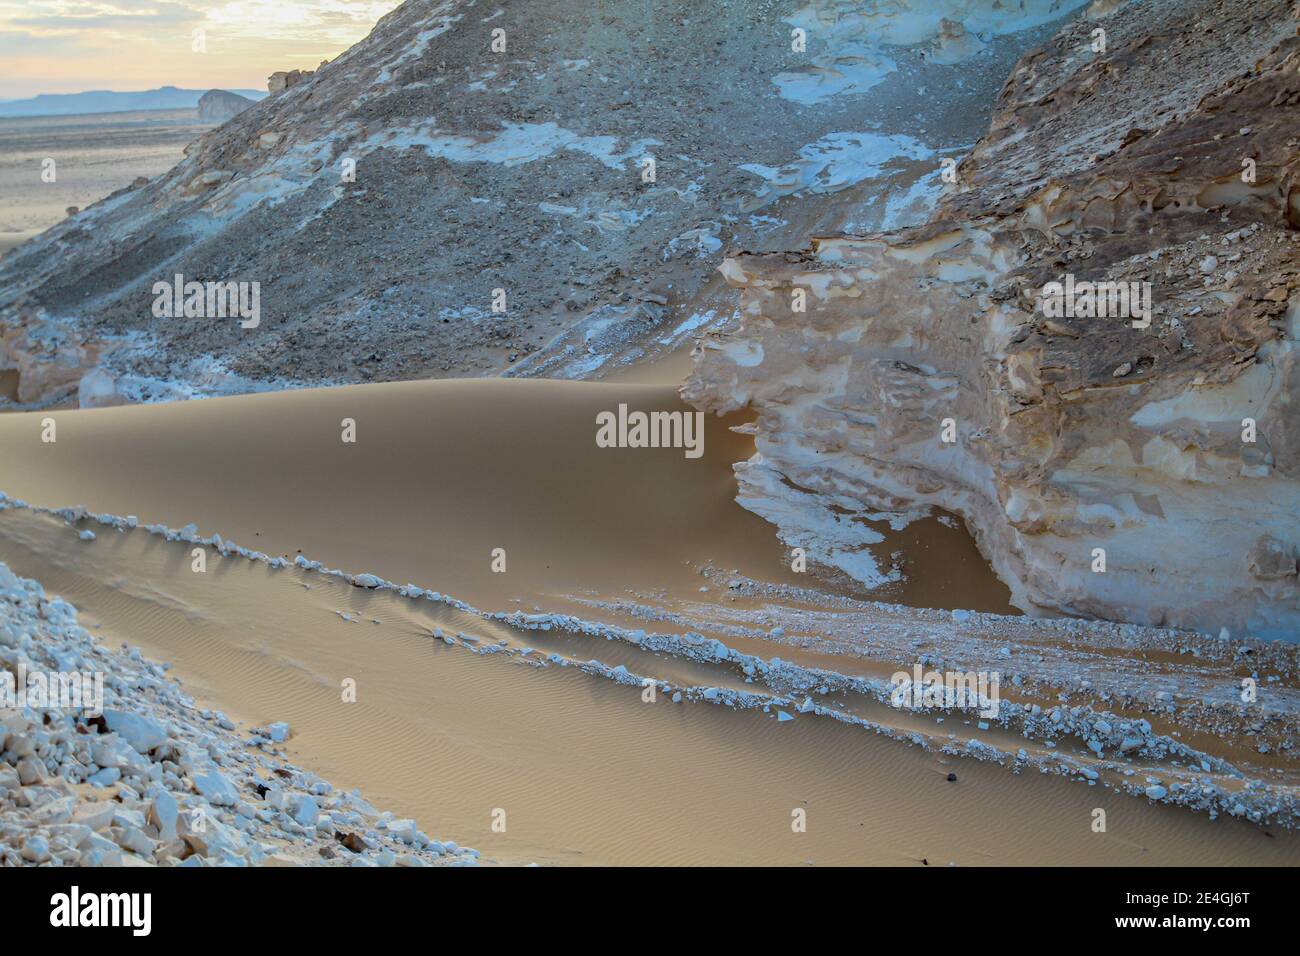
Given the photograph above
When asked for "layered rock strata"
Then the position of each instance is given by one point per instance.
(1134, 465)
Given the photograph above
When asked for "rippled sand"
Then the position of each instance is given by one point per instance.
(586, 770)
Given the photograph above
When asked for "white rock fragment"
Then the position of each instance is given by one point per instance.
(36, 849)
(142, 733)
(163, 815)
(303, 809)
(215, 788)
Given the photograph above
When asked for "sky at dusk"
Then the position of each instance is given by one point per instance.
(67, 46)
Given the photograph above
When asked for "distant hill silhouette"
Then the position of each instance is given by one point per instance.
(108, 101)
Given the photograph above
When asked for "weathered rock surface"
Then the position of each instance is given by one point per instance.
(1173, 448)
(281, 80)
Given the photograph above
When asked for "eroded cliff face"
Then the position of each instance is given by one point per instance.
(1165, 446)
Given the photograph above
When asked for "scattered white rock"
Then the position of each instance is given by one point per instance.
(170, 785)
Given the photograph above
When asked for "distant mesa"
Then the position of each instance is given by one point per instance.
(109, 101)
(217, 106)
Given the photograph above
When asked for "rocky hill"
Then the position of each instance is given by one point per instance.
(511, 186)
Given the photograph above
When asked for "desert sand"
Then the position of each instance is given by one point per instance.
(584, 768)
(93, 156)
(441, 474)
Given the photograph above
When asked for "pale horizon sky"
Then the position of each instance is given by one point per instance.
(69, 46)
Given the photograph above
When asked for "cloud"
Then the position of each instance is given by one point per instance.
(80, 44)
(16, 42)
(59, 16)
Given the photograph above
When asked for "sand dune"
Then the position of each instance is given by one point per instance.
(586, 771)
(442, 473)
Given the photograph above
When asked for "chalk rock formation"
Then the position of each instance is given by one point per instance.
(49, 361)
(217, 106)
(1166, 453)
(281, 80)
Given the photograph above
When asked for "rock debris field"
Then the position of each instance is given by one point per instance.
(155, 781)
